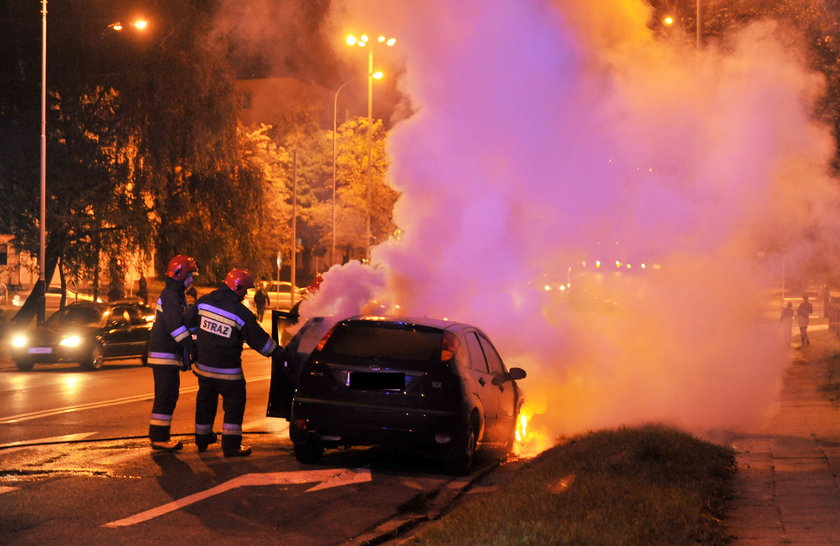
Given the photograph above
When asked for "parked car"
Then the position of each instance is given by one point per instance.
(434, 386)
(279, 295)
(88, 333)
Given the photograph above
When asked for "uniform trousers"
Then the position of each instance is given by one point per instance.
(167, 385)
(233, 404)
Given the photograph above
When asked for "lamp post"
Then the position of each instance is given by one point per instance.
(42, 220)
(362, 41)
(42, 283)
(335, 128)
(698, 16)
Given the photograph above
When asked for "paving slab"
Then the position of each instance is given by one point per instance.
(786, 489)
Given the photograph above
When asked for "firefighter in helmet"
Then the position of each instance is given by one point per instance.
(223, 324)
(171, 349)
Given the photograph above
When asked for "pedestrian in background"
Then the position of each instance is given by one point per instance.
(787, 322)
(171, 350)
(223, 325)
(803, 317)
(261, 300)
(143, 288)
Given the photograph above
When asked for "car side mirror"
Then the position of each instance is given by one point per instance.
(512, 375)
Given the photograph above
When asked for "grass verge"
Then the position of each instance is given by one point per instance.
(826, 348)
(649, 485)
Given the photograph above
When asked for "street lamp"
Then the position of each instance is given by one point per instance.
(335, 128)
(698, 17)
(42, 221)
(364, 41)
(139, 24)
(42, 283)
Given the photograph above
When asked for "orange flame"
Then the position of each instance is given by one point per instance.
(529, 441)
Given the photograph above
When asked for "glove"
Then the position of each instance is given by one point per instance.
(190, 356)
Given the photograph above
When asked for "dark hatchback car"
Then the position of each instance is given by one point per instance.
(434, 386)
(88, 333)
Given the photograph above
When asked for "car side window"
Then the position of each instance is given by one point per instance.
(119, 314)
(493, 358)
(477, 360)
(136, 316)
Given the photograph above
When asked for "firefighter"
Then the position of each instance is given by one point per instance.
(224, 323)
(171, 349)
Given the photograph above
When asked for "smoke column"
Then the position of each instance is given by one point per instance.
(548, 136)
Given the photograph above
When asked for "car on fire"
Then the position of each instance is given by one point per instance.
(88, 333)
(434, 386)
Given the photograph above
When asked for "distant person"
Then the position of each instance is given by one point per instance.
(224, 324)
(143, 288)
(786, 321)
(171, 349)
(261, 300)
(803, 317)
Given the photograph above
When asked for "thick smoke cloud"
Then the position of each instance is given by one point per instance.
(552, 135)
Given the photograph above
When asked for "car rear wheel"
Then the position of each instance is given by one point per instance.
(96, 359)
(461, 461)
(309, 451)
(24, 365)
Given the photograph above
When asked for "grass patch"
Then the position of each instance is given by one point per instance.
(825, 348)
(648, 485)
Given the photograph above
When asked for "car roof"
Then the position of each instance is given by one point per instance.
(440, 324)
(128, 301)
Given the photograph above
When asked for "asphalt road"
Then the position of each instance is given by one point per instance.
(77, 469)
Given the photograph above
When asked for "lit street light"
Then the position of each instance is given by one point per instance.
(139, 24)
(42, 254)
(364, 41)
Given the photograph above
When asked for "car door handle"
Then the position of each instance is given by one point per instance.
(482, 381)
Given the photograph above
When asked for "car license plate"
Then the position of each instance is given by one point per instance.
(389, 381)
(39, 350)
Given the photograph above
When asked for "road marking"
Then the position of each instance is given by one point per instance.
(51, 440)
(7, 489)
(330, 477)
(93, 405)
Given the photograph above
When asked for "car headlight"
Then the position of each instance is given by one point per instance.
(70, 341)
(19, 340)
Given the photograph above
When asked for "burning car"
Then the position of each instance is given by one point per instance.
(435, 386)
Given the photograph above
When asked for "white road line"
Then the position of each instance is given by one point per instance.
(103, 404)
(330, 477)
(51, 440)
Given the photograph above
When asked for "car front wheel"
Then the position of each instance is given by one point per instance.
(24, 365)
(96, 359)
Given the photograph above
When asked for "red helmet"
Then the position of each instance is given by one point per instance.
(180, 266)
(239, 280)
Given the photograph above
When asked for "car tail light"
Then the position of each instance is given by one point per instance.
(301, 424)
(449, 346)
(324, 339)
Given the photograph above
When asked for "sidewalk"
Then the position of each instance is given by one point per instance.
(786, 488)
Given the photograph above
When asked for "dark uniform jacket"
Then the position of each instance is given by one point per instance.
(170, 337)
(224, 324)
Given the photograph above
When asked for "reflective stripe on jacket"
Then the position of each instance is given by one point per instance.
(222, 325)
(170, 335)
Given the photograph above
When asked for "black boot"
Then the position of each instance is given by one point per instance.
(169, 445)
(204, 440)
(241, 451)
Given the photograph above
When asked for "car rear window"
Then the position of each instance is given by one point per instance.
(381, 341)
